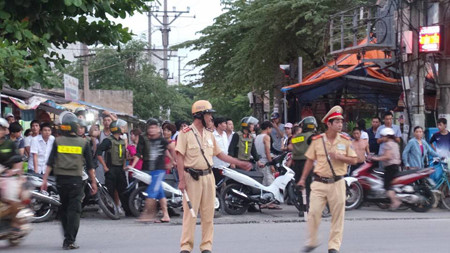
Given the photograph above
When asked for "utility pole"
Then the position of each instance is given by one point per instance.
(149, 36)
(85, 55)
(179, 67)
(166, 21)
(414, 67)
(444, 62)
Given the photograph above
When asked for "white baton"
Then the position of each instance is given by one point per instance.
(189, 204)
(305, 213)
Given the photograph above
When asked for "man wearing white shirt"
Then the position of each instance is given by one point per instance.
(35, 128)
(41, 147)
(229, 131)
(361, 124)
(222, 141)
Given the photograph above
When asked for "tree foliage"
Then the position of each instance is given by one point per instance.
(129, 69)
(246, 44)
(28, 28)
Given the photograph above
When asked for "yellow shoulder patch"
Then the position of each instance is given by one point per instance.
(298, 139)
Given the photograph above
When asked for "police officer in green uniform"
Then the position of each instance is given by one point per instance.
(69, 155)
(300, 143)
(115, 155)
(242, 144)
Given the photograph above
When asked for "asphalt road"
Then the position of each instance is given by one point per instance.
(366, 230)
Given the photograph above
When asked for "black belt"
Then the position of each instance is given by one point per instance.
(195, 174)
(327, 180)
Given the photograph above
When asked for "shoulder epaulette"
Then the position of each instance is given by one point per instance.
(186, 129)
(345, 137)
(316, 137)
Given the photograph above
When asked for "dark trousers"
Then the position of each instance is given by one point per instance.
(115, 180)
(298, 169)
(354, 167)
(71, 195)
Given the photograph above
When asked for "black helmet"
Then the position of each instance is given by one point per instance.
(246, 121)
(69, 122)
(117, 126)
(152, 121)
(308, 123)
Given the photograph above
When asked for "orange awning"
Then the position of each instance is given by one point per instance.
(343, 65)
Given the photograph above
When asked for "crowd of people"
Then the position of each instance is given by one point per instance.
(164, 147)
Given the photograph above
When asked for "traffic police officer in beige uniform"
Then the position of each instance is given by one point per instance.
(195, 148)
(332, 153)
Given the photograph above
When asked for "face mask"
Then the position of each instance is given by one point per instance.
(123, 137)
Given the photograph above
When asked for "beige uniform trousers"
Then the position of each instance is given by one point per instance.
(202, 194)
(335, 195)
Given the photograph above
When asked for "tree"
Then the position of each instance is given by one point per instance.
(245, 46)
(129, 69)
(28, 28)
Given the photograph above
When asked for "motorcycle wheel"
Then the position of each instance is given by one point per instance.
(295, 197)
(231, 204)
(42, 211)
(429, 199)
(14, 242)
(445, 196)
(326, 211)
(136, 202)
(354, 196)
(106, 203)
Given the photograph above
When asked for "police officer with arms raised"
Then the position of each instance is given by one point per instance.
(69, 155)
(195, 148)
(332, 153)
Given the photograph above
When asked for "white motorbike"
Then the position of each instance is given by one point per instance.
(137, 198)
(241, 190)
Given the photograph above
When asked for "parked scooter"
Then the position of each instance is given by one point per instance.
(410, 186)
(14, 198)
(241, 190)
(137, 198)
(44, 205)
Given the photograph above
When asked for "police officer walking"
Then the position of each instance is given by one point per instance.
(195, 148)
(332, 153)
(69, 155)
(299, 144)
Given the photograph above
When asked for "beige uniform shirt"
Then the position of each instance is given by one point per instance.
(187, 145)
(341, 145)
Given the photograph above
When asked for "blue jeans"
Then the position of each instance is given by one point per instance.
(155, 189)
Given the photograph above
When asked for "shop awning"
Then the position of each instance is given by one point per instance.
(344, 65)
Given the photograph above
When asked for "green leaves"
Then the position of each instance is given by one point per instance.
(32, 26)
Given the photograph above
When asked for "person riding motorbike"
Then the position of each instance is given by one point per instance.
(391, 161)
(242, 144)
(10, 190)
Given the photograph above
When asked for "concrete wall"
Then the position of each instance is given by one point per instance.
(119, 100)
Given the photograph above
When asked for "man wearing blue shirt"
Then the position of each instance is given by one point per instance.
(440, 141)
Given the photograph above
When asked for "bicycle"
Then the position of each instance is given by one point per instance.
(443, 184)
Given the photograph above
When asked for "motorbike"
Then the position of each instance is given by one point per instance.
(138, 195)
(44, 205)
(412, 187)
(14, 195)
(101, 198)
(241, 190)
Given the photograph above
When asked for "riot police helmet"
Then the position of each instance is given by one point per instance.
(308, 123)
(247, 121)
(68, 122)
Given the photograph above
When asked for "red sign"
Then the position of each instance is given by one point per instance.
(429, 39)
